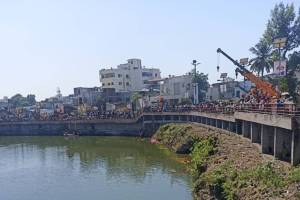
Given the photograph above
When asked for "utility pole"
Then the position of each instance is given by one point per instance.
(196, 91)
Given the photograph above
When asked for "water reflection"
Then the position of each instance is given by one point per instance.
(96, 166)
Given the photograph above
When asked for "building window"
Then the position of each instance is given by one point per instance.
(108, 75)
(112, 83)
(119, 75)
(103, 84)
(120, 83)
(146, 74)
(127, 76)
(127, 83)
(155, 74)
(108, 84)
(238, 94)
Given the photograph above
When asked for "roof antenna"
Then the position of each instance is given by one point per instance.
(218, 62)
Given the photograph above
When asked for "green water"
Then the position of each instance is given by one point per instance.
(89, 168)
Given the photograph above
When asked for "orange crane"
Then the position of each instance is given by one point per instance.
(266, 87)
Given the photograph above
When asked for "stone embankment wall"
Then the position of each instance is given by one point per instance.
(103, 128)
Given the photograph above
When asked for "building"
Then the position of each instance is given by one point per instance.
(228, 90)
(4, 104)
(176, 88)
(127, 78)
(87, 95)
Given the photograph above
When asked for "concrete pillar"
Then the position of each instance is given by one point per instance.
(246, 130)
(188, 118)
(255, 132)
(295, 154)
(214, 122)
(239, 127)
(172, 118)
(226, 125)
(234, 127)
(283, 144)
(230, 126)
(267, 139)
(218, 123)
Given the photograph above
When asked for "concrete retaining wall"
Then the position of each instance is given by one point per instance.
(58, 128)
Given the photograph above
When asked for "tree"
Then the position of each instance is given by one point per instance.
(293, 65)
(263, 61)
(203, 85)
(283, 23)
(19, 101)
(31, 99)
(100, 103)
(134, 100)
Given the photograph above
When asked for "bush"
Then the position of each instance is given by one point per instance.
(294, 175)
(222, 181)
(267, 176)
(202, 149)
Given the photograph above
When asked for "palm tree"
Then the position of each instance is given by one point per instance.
(134, 100)
(263, 61)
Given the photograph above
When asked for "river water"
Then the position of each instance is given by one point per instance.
(89, 168)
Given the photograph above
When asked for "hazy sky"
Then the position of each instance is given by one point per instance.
(45, 44)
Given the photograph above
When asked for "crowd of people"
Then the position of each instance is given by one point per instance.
(10, 116)
(255, 101)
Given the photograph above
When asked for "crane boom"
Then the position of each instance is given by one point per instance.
(264, 86)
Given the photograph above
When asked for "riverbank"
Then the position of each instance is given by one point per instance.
(227, 166)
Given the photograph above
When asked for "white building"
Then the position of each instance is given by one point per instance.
(128, 77)
(228, 90)
(4, 103)
(176, 88)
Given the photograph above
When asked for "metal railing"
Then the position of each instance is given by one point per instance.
(274, 109)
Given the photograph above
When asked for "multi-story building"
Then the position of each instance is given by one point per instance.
(87, 95)
(127, 78)
(176, 88)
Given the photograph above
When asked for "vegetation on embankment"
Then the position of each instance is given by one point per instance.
(227, 166)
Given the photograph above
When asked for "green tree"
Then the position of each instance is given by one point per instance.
(283, 84)
(18, 101)
(134, 100)
(293, 65)
(262, 61)
(31, 99)
(100, 103)
(203, 85)
(284, 23)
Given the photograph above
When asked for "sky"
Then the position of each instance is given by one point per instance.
(46, 44)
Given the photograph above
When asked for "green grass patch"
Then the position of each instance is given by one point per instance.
(294, 175)
(225, 180)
